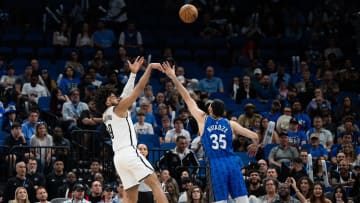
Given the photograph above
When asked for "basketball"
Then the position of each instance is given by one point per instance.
(188, 13)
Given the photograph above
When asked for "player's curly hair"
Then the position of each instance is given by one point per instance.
(101, 96)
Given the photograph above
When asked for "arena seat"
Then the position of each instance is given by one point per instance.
(151, 141)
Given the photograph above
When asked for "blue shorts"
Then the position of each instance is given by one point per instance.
(226, 178)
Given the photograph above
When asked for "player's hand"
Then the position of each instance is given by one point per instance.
(168, 70)
(252, 149)
(134, 67)
(157, 66)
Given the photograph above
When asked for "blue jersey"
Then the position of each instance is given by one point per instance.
(217, 138)
(225, 175)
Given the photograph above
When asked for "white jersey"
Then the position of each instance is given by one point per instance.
(121, 130)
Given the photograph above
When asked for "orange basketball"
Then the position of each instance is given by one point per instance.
(188, 13)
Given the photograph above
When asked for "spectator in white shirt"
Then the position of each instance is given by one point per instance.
(142, 127)
(178, 130)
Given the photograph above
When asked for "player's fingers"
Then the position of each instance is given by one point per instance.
(137, 58)
(128, 62)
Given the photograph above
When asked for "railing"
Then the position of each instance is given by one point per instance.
(4, 150)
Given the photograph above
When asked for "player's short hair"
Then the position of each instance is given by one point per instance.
(101, 96)
(218, 107)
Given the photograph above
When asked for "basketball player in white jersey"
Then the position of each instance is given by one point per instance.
(130, 164)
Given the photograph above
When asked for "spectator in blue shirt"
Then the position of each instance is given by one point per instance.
(302, 117)
(28, 126)
(317, 151)
(211, 83)
(103, 38)
(296, 137)
(266, 90)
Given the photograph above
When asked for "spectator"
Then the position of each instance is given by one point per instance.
(179, 159)
(162, 110)
(33, 90)
(10, 117)
(36, 177)
(119, 197)
(41, 141)
(84, 38)
(319, 194)
(71, 110)
(172, 191)
(46, 81)
(232, 89)
(19, 180)
(69, 81)
(253, 184)
(95, 192)
(15, 138)
(90, 119)
(175, 101)
(117, 15)
(348, 128)
(266, 91)
(305, 185)
(42, 195)
(28, 126)
(263, 167)
(211, 83)
(189, 121)
(317, 150)
(57, 100)
(302, 117)
(142, 127)
(78, 194)
(197, 148)
(94, 168)
(64, 144)
(247, 118)
(103, 38)
(74, 63)
(55, 179)
(195, 195)
(8, 81)
(149, 116)
(283, 153)
(271, 186)
(98, 67)
(145, 192)
(347, 108)
(178, 130)
(148, 94)
(317, 104)
(325, 136)
(164, 128)
(21, 196)
(62, 36)
(186, 185)
(280, 76)
(297, 137)
(297, 169)
(131, 38)
(245, 90)
(275, 111)
(284, 194)
(108, 194)
(66, 190)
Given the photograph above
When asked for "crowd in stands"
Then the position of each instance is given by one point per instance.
(286, 70)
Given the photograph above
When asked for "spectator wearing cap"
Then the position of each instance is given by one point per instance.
(275, 111)
(71, 110)
(10, 116)
(189, 121)
(211, 83)
(283, 153)
(246, 90)
(32, 91)
(258, 75)
(248, 117)
(46, 81)
(317, 150)
(108, 194)
(78, 194)
(253, 184)
(297, 136)
(266, 91)
(302, 117)
(325, 136)
(142, 127)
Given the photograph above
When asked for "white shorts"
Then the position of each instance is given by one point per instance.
(131, 166)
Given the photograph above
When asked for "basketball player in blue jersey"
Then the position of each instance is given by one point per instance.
(130, 164)
(217, 134)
